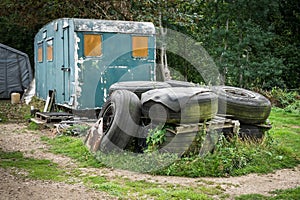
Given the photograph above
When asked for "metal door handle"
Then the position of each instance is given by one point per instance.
(65, 69)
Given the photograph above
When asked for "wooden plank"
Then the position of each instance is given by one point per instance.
(53, 116)
(187, 128)
(37, 121)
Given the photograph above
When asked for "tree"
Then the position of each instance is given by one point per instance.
(253, 43)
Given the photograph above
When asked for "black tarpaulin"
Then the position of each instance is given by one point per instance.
(15, 71)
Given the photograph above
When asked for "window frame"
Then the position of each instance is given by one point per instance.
(50, 49)
(40, 52)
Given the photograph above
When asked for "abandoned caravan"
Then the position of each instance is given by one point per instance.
(79, 59)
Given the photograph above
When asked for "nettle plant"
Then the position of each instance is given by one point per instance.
(155, 138)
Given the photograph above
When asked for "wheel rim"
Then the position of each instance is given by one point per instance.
(108, 117)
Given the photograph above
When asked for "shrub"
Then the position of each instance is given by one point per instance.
(287, 100)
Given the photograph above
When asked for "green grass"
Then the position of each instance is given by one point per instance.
(72, 147)
(286, 129)
(36, 169)
(140, 189)
(144, 163)
(289, 194)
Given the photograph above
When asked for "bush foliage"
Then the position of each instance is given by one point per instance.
(253, 43)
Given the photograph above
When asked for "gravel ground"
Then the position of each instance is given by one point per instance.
(15, 137)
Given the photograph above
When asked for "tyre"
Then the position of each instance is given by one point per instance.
(244, 105)
(138, 87)
(179, 105)
(121, 118)
(175, 83)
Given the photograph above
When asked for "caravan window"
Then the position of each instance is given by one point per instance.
(40, 52)
(92, 45)
(50, 50)
(140, 46)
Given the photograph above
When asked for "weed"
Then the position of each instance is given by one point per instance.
(74, 130)
(13, 112)
(288, 100)
(155, 138)
(33, 126)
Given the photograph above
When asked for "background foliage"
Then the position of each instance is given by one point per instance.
(255, 44)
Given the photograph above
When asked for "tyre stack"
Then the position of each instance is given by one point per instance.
(136, 107)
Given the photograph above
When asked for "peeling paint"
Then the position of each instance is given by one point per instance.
(65, 23)
(105, 94)
(118, 67)
(77, 87)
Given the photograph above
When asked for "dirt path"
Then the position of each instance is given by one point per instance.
(15, 137)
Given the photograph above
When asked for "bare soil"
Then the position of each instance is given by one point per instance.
(15, 137)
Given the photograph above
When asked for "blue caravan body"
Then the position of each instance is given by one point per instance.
(80, 59)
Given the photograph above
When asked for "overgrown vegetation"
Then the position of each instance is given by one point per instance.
(236, 157)
(279, 149)
(155, 138)
(18, 112)
(149, 162)
(13, 112)
(286, 129)
(287, 100)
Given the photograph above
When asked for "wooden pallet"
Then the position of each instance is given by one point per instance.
(48, 117)
(180, 139)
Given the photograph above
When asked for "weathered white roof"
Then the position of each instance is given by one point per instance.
(114, 26)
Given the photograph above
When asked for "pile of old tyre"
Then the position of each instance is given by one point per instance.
(134, 106)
